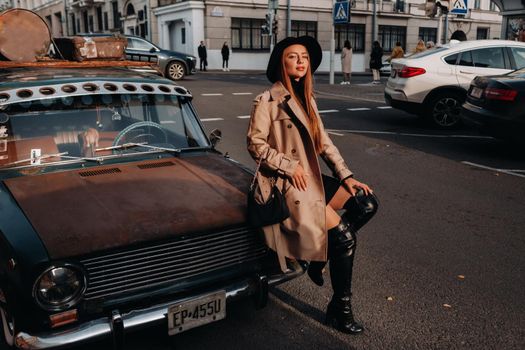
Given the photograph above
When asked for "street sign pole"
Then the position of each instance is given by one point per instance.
(341, 15)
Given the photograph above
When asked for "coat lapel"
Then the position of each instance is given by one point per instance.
(279, 92)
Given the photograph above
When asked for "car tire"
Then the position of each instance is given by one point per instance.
(8, 327)
(445, 109)
(176, 70)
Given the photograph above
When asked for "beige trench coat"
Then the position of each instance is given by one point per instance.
(274, 137)
(346, 60)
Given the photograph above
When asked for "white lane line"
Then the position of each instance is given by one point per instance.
(211, 94)
(243, 117)
(346, 97)
(384, 107)
(504, 171)
(329, 111)
(358, 109)
(335, 133)
(241, 93)
(409, 134)
(211, 119)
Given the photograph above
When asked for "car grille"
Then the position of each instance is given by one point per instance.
(166, 263)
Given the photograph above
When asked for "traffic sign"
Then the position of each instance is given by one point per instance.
(459, 7)
(341, 12)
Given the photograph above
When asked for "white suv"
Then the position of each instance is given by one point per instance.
(434, 83)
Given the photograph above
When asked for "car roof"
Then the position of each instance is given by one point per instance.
(36, 76)
(470, 44)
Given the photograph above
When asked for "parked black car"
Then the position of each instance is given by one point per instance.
(173, 64)
(116, 210)
(495, 105)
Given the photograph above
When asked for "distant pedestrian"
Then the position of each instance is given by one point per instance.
(376, 61)
(420, 47)
(346, 62)
(430, 44)
(225, 52)
(203, 56)
(397, 52)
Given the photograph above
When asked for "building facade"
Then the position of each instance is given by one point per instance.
(181, 25)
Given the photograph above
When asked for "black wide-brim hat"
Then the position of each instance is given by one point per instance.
(312, 46)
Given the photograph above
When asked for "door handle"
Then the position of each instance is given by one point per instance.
(464, 72)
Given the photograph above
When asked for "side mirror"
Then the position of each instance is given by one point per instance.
(152, 50)
(215, 137)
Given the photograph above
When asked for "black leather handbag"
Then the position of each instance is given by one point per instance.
(273, 211)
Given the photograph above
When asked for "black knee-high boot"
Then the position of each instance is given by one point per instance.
(359, 209)
(342, 245)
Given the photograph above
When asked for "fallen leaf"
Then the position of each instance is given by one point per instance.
(447, 306)
(496, 174)
(389, 298)
(461, 277)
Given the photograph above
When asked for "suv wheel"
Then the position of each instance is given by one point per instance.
(445, 109)
(176, 71)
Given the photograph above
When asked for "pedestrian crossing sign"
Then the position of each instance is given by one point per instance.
(341, 12)
(459, 7)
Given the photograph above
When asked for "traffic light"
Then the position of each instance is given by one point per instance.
(275, 27)
(444, 6)
(267, 26)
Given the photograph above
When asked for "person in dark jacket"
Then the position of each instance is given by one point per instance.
(225, 52)
(376, 61)
(203, 55)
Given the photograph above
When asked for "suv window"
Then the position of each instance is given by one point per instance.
(466, 59)
(519, 56)
(451, 59)
(491, 57)
(138, 44)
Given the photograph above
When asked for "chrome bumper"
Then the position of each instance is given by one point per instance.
(109, 326)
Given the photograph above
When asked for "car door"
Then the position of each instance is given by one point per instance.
(483, 61)
(141, 50)
(518, 54)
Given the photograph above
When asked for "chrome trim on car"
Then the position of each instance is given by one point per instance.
(139, 318)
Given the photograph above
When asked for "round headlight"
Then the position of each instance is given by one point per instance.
(59, 287)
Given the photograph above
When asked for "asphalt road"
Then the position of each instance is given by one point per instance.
(440, 267)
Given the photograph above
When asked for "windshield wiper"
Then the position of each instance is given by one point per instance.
(139, 144)
(47, 156)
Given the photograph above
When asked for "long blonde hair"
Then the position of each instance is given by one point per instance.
(308, 96)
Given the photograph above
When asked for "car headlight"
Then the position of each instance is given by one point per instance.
(191, 58)
(59, 287)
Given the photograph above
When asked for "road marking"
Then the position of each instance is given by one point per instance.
(211, 119)
(346, 97)
(358, 109)
(409, 134)
(243, 117)
(211, 94)
(329, 111)
(242, 93)
(335, 133)
(504, 171)
(384, 107)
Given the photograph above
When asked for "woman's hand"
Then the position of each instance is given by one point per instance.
(352, 186)
(299, 178)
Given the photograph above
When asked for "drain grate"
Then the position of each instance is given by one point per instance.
(155, 165)
(99, 172)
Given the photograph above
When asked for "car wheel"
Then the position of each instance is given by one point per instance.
(445, 110)
(8, 325)
(176, 71)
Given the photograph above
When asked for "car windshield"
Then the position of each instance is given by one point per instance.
(92, 127)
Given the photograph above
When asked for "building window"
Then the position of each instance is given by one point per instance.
(85, 20)
(493, 6)
(355, 33)
(99, 19)
(477, 4)
(389, 35)
(106, 21)
(183, 35)
(428, 34)
(482, 33)
(73, 24)
(91, 24)
(116, 15)
(300, 28)
(246, 34)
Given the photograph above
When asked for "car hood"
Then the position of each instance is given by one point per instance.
(79, 212)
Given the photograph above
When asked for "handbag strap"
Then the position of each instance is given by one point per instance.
(273, 180)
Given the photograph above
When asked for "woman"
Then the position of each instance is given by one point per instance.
(286, 134)
(225, 52)
(346, 62)
(420, 47)
(397, 52)
(376, 61)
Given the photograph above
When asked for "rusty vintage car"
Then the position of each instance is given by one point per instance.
(116, 210)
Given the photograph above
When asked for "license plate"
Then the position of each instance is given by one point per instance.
(393, 73)
(476, 92)
(196, 312)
